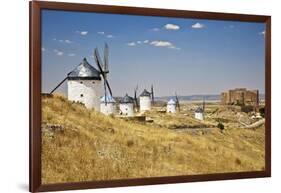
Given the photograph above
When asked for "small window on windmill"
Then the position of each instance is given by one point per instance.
(81, 95)
(81, 82)
(93, 82)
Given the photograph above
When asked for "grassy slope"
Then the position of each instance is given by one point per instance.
(92, 146)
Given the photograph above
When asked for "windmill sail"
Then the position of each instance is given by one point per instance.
(203, 104)
(58, 85)
(106, 51)
(177, 102)
(135, 98)
(152, 94)
(100, 64)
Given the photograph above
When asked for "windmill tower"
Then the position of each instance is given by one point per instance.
(127, 106)
(199, 112)
(107, 104)
(171, 106)
(84, 85)
(145, 101)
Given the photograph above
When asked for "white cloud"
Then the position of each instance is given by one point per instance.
(131, 44)
(54, 39)
(109, 36)
(61, 41)
(71, 54)
(262, 33)
(161, 43)
(101, 32)
(197, 26)
(155, 29)
(43, 49)
(146, 41)
(139, 42)
(170, 26)
(58, 52)
(83, 33)
(174, 47)
(68, 41)
(166, 44)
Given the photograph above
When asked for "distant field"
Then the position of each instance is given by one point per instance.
(83, 145)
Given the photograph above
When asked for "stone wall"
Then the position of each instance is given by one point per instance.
(240, 96)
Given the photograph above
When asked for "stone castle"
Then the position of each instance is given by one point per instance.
(240, 96)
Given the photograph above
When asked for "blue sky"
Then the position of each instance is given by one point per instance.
(189, 56)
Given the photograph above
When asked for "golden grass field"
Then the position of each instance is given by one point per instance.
(83, 145)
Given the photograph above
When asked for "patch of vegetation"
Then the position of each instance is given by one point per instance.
(262, 111)
(220, 126)
(92, 146)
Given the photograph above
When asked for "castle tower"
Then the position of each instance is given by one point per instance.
(84, 85)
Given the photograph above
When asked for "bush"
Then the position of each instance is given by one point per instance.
(262, 111)
(220, 126)
(247, 109)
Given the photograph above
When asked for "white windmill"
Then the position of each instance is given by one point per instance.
(199, 112)
(145, 101)
(171, 106)
(83, 85)
(127, 106)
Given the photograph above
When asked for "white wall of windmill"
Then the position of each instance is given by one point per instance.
(171, 108)
(145, 103)
(108, 108)
(199, 116)
(87, 92)
(127, 109)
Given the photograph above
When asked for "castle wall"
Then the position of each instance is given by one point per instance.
(240, 96)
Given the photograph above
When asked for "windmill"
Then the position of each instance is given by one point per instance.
(152, 94)
(177, 102)
(103, 68)
(135, 98)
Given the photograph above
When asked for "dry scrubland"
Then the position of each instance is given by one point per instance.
(83, 145)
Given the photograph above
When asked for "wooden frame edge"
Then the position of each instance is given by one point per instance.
(35, 98)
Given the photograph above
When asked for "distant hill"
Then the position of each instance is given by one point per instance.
(211, 97)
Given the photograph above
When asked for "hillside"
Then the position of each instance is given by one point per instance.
(83, 145)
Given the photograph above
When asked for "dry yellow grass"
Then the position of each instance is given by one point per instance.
(90, 146)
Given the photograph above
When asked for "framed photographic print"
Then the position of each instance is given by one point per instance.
(123, 96)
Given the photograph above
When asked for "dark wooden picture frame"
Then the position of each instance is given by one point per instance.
(35, 94)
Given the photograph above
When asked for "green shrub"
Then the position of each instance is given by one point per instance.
(220, 126)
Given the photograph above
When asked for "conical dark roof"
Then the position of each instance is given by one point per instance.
(199, 110)
(145, 93)
(84, 71)
(127, 99)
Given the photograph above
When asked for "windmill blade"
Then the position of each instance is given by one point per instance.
(58, 85)
(177, 101)
(135, 97)
(203, 104)
(106, 53)
(99, 64)
(152, 94)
